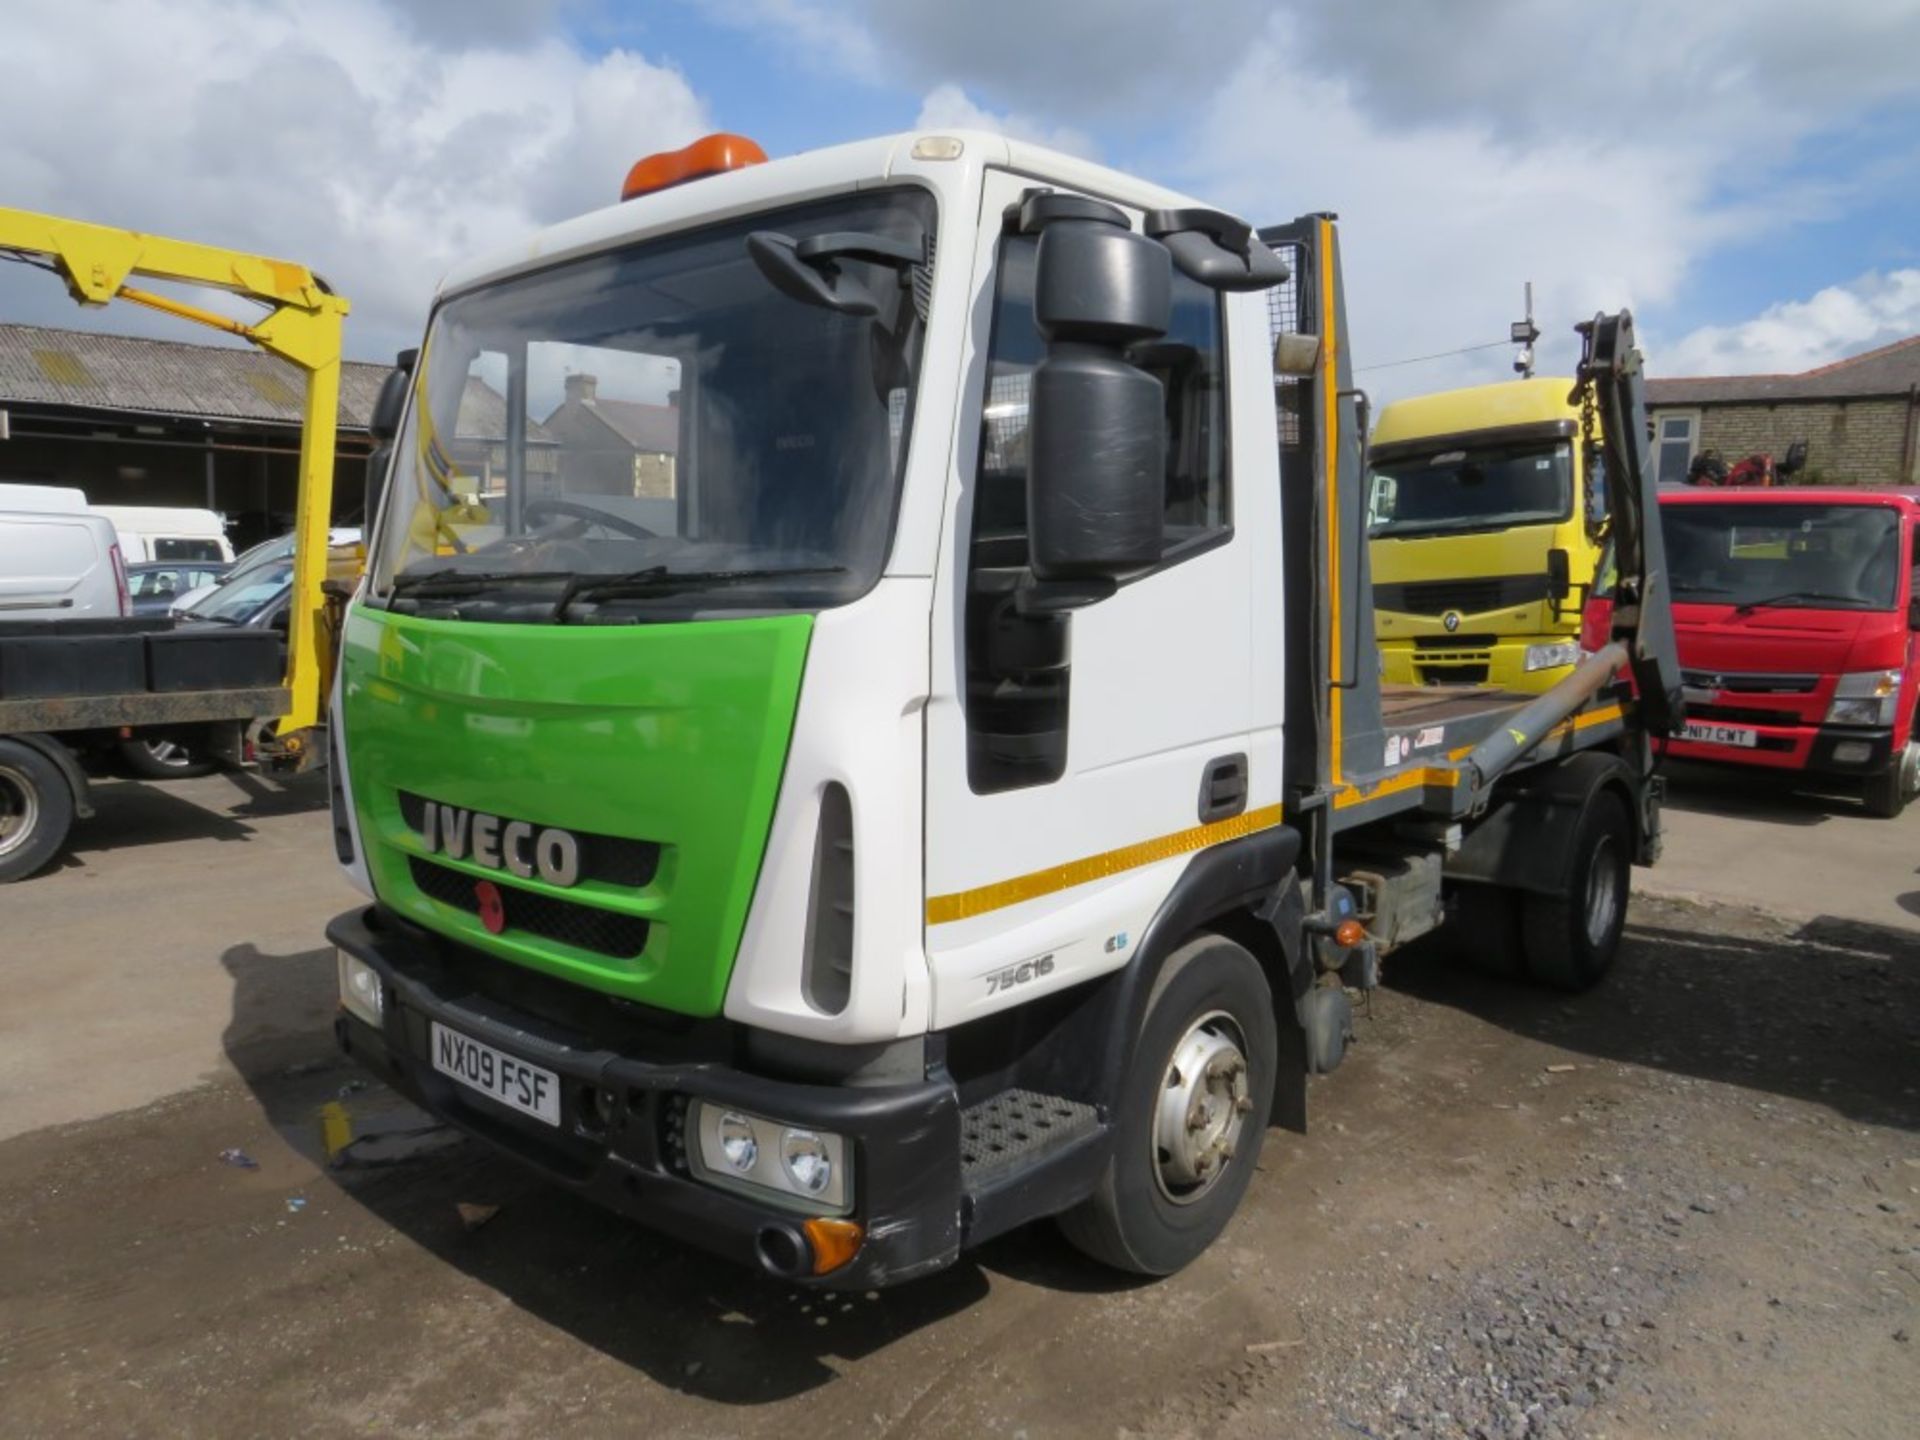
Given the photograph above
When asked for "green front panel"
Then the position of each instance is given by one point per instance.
(674, 734)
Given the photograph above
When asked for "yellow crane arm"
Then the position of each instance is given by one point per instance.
(302, 325)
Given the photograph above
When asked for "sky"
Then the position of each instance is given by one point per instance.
(1744, 174)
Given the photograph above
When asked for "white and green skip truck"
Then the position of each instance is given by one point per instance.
(862, 729)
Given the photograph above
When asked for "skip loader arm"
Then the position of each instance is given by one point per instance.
(1610, 389)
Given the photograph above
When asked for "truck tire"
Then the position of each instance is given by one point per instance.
(162, 760)
(36, 810)
(1570, 940)
(1190, 1115)
(1888, 792)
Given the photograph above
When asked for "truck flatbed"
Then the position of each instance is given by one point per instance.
(99, 712)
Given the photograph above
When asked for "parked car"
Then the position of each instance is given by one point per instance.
(60, 565)
(257, 598)
(267, 552)
(1796, 611)
(156, 585)
(168, 532)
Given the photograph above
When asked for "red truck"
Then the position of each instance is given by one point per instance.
(1796, 611)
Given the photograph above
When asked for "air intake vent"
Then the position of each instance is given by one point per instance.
(826, 976)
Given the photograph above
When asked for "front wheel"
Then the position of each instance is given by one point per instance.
(1571, 938)
(1888, 792)
(36, 810)
(1191, 1114)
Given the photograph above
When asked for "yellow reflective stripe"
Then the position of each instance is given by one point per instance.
(1347, 796)
(965, 904)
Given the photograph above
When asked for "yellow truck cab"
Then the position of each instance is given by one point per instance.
(1485, 523)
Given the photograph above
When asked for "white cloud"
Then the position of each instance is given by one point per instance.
(1470, 147)
(1793, 335)
(357, 146)
(948, 107)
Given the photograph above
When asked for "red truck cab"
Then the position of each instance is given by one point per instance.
(1795, 611)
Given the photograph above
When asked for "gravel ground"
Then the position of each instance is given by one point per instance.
(1684, 1204)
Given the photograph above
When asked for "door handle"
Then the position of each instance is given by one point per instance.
(1223, 788)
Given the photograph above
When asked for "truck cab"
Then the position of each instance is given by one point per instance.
(1795, 613)
(1486, 520)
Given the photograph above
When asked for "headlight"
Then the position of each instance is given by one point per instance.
(360, 989)
(1866, 697)
(791, 1166)
(1547, 657)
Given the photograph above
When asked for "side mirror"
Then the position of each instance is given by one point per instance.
(384, 425)
(1097, 426)
(1559, 575)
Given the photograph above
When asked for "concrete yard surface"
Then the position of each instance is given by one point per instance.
(1686, 1203)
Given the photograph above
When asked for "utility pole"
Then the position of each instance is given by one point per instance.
(1523, 333)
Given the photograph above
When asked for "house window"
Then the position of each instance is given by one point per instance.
(1675, 437)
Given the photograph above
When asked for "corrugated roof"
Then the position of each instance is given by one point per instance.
(1890, 370)
(47, 366)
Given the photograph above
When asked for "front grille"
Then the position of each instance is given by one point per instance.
(610, 859)
(1453, 674)
(584, 927)
(1454, 642)
(1437, 597)
(1761, 684)
(1742, 715)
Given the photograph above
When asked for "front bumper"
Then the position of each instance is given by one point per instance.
(1810, 749)
(618, 1141)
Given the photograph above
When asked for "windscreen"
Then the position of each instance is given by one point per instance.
(1838, 556)
(1471, 488)
(658, 429)
(244, 596)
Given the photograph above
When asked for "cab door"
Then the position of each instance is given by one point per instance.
(1074, 764)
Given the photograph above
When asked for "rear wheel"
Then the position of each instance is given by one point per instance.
(36, 810)
(1888, 792)
(1191, 1114)
(162, 760)
(1571, 939)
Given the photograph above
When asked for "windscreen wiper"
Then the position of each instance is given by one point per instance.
(1747, 607)
(451, 582)
(659, 580)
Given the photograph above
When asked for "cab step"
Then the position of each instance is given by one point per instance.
(1017, 1128)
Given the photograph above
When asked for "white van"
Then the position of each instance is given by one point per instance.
(165, 532)
(58, 565)
(16, 496)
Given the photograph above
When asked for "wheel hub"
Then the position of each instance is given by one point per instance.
(19, 809)
(1204, 1102)
(1603, 891)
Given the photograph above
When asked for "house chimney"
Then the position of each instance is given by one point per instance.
(582, 388)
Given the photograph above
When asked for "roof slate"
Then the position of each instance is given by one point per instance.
(1890, 370)
(48, 366)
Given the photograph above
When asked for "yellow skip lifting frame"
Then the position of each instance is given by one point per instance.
(302, 325)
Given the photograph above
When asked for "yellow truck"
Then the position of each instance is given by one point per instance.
(1486, 518)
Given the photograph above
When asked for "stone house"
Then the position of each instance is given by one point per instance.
(615, 447)
(1858, 417)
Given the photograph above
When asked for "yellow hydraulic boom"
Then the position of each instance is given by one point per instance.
(302, 325)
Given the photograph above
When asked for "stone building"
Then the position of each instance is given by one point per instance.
(1860, 418)
(615, 447)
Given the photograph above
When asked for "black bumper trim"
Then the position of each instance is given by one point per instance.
(1820, 757)
(617, 1143)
